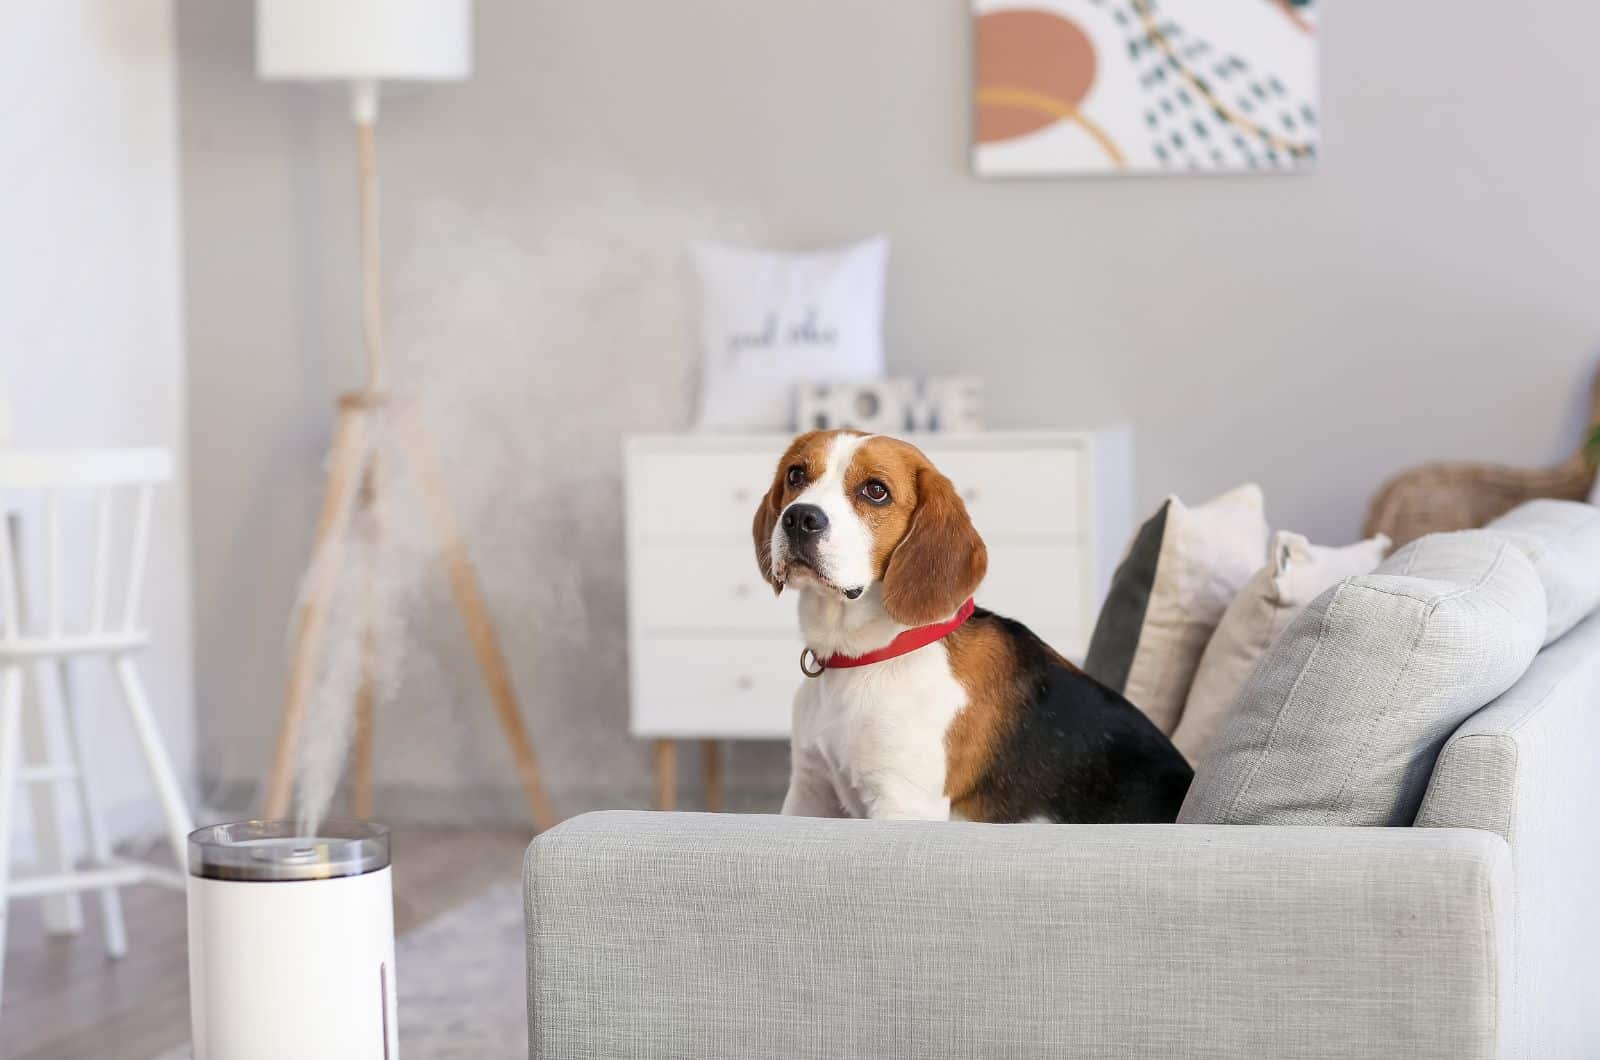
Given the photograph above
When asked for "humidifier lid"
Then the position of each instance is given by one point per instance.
(278, 851)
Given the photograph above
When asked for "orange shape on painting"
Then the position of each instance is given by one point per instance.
(1028, 58)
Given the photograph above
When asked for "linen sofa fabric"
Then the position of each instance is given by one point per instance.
(1296, 573)
(1344, 717)
(1525, 767)
(1562, 539)
(724, 936)
(1202, 557)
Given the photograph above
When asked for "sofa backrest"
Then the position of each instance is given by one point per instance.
(1562, 540)
(1526, 768)
(1342, 720)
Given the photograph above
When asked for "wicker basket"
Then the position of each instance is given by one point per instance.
(1458, 496)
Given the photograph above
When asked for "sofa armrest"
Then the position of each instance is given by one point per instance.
(733, 936)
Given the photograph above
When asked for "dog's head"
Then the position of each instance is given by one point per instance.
(847, 511)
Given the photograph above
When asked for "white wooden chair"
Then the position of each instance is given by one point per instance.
(113, 491)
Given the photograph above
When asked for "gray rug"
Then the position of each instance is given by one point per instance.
(461, 982)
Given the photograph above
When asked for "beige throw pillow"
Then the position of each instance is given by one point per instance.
(1297, 573)
(1207, 553)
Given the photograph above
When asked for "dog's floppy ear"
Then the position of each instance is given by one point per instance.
(940, 560)
(767, 518)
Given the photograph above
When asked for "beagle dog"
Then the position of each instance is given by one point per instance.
(916, 703)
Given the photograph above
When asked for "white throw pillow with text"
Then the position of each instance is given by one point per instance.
(771, 319)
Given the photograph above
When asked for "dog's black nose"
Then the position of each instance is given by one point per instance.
(804, 520)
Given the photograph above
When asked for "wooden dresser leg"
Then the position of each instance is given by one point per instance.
(666, 774)
(711, 756)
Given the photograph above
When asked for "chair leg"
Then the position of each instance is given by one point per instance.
(179, 823)
(10, 716)
(63, 913)
(95, 837)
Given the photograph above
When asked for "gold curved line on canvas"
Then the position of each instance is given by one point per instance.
(1295, 17)
(1027, 99)
(1148, 18)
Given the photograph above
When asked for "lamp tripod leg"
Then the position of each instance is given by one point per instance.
(361, 779)
(475, 614)
(351, 452)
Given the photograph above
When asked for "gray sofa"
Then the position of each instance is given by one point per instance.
(1475, 932)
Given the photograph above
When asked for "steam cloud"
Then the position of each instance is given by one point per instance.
(532, 350)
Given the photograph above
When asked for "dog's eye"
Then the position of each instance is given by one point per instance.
(797, 476)
(875, 492)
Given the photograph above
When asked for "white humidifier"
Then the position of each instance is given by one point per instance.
(291, 942)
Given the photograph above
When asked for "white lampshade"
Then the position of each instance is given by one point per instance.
(361, 40)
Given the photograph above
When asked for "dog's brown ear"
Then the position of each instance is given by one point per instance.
(940, 560)
(767, 518)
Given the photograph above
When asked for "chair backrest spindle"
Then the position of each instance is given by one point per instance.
(9, 607)
(136, 560)
(52, 562)
(47, 544)
(102, 559)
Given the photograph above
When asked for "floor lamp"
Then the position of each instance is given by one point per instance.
(363, 42)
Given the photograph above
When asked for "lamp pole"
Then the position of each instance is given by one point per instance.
(355, 483)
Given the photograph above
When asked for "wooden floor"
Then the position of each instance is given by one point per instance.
(65, 1000)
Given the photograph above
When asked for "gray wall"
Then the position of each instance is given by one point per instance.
(1429, 292)
(91, 343)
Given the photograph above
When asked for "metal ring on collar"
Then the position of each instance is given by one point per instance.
(820, 664)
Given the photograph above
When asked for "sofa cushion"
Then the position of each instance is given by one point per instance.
(1342, 721)
(1296, 573)
(1168, 595)
(1562, 538)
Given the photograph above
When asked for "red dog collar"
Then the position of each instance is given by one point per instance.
(909, 641)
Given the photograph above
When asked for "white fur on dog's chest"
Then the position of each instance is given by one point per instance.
(879, 732)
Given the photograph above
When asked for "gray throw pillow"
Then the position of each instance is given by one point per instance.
(1344, 718)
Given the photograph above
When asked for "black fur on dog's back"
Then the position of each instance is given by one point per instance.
(1071, 750)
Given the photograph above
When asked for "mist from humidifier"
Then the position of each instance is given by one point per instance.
(533, 334)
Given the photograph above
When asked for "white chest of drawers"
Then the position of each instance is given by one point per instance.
(713, 655)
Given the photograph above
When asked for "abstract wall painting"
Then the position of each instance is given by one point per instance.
(1145, 86)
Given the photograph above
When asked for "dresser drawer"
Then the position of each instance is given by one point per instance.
(1026, 492)
(733, 687)
(699, 494)
(1041, 586)
(707, 587)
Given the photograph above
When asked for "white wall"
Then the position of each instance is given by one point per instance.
(90, 340)
(1431, 291)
